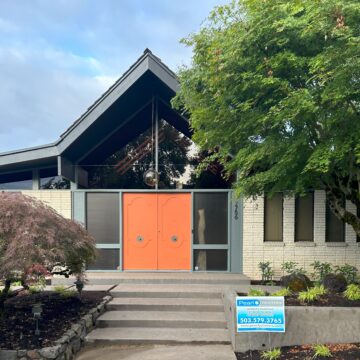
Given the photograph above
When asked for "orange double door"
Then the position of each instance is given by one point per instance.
(156, 231)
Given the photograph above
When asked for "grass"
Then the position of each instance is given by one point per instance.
(65, 292)
(272, 354)
(282, 292)
(352, 292)
(257, 292)
(321, 350)
(311, 294)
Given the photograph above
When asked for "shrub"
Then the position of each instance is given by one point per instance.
(312, 294)
(291, 267)
(282, 292)
(33, 235)
(321, 270)
(334, 283)
(321, 351)
(257, 292)
(272, 354)
(267, 272)
(295, 282)
(352, 292)
(65, 292)
(350, 272)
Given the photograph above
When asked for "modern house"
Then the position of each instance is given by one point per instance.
(166, 226)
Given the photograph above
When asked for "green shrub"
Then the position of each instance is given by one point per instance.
(291, 267)
(321, 270)
(266, 270)
(282, 292)
(65, 292)
(352, 292)
(257, 292)
(321, 351)
(312, 294)
(350, 272)
(272, 354)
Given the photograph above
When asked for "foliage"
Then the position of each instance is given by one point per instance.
(276, 85)
(291, 267)
(257, 292)
(272, 354)
(321, 269)
(335, 283)
(350, 272)
(352, 292)
(267, 272)
(295, 282)
(282, 292)
(34, 237)
(65, 292)
(312, 294)
(321, 350)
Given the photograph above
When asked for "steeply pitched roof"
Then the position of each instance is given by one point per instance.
(145, 63)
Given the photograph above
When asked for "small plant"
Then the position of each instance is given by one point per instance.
(267, 272)
(321, 270)
(321, 350)
(350, 272)
(291, 268)
(272, 354)
(65, 292)
(352, 292)
(312, 294)
(282, 292)
(257, 292)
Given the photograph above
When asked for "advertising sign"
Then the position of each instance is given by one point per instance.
(260, 314)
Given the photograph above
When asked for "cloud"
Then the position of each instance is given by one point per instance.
(57, 57)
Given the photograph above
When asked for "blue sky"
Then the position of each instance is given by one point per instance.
(58, 56)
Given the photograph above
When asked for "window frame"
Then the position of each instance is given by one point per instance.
(282, 220)
(296, 225)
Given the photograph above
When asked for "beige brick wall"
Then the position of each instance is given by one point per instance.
(60, 200)
(255, 250)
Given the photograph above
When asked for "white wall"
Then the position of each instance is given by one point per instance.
(60, 200)
(256, 250)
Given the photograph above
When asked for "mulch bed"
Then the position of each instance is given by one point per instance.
(305, 352)
(324, 300)
(17, 325)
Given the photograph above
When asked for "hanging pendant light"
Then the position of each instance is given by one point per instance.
(151, 177)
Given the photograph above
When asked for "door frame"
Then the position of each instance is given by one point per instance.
(234, 244)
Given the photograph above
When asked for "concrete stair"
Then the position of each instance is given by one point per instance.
(163, 314)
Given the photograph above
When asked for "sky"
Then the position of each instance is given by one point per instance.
(57, 57)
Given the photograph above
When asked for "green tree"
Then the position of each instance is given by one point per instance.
(276, 83)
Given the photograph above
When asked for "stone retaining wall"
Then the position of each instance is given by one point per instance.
(68, 345)
(304, 325)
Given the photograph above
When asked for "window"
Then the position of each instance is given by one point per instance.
(304, 218)
(16, 181)
(358, 215)
(335, 228)
(273, 218)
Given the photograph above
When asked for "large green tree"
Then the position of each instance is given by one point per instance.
(276, 83)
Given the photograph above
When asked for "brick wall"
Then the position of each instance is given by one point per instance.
(60, 200)
(256, 250)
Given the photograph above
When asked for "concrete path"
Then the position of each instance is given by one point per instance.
(158, 352)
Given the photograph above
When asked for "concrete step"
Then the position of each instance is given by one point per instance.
(165, 304)
(104, 278)
(162, 319)
(110, 336)
(167, 291)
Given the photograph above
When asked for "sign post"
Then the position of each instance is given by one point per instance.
(260, 314)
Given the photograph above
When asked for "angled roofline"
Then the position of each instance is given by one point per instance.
(146, 62)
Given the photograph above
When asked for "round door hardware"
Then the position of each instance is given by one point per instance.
(174, 238)
(139, 238)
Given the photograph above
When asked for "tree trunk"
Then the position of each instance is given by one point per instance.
(4, 293)
(337, 206)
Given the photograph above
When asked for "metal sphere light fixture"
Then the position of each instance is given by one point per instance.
(151, 177)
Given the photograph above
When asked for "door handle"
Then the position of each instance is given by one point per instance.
(139, 238)
(174, 238)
